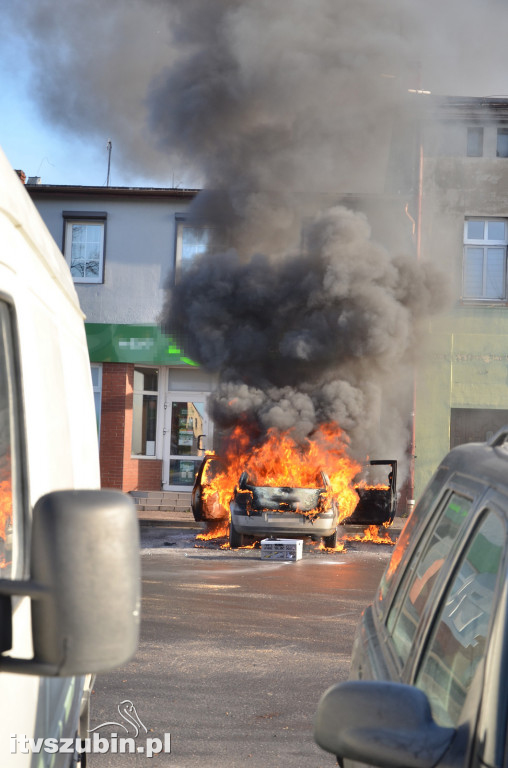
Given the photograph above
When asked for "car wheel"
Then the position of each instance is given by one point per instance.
(330, 542)
(235, 538)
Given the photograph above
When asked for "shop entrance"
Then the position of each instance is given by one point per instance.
(186, 438)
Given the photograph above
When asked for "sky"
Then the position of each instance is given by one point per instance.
(39, 38)
(41, 148)
(75, 74)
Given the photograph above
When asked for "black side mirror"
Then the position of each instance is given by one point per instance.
(385, 724)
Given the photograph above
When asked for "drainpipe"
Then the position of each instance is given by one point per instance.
(411, 499)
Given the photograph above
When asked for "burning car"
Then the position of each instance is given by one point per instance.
(283, 511)
(258, 509)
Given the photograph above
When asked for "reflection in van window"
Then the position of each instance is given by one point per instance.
(429, 558)
(461, 633)
(428, 498)
(7, 446)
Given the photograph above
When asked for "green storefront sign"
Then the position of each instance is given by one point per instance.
(147, 344)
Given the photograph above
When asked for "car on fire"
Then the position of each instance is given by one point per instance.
(291, 512)
(428, 680)
(263, 511)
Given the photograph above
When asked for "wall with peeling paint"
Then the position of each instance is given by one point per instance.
(466, 357)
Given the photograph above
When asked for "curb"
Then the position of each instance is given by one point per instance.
(149, 523)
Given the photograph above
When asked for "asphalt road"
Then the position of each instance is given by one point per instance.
(235, 653)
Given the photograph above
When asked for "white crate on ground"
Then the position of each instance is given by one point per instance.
(281, 549)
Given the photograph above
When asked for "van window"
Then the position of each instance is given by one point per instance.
(428, 557)
(10, 485)
(461, 630)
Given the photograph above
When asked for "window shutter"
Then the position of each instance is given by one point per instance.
(495, 273)
(473, 272)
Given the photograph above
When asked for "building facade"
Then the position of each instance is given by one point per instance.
(462, 382)
(124, 247)
(439, 192)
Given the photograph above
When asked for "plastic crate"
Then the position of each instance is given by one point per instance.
(281, 549)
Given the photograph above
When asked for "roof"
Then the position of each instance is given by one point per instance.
(467, 107)
(71, 190)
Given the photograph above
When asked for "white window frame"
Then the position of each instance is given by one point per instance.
(152, 393)
(97, 390)
(84, 218)
(183, 224)
(486, 245)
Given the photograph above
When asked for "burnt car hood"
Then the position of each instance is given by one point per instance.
(254, 500)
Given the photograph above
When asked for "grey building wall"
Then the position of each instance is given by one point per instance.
(139, 254)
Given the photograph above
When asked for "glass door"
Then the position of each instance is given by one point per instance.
(186, 440)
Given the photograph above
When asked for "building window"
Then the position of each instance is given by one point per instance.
(502, 142)
(96, 369)
(484, 273)
(192, 239)
(474, 142)
(84, 241)
(144, 411)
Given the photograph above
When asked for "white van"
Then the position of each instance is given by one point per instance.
(69, 553)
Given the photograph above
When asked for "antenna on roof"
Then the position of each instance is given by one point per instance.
(109, 147)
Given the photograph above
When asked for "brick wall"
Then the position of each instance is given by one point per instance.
(118, 468)
(114, 379)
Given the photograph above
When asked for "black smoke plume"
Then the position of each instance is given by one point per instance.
(282, 109)
(325, 335)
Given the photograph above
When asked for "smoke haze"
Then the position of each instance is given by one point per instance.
(279, 109)
(305, 67)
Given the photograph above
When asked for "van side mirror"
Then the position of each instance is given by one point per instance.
(84, 584)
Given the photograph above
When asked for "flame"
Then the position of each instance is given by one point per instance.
(339, 547)
(215, 530)
(219, 529)
(364, 487)
(254, 545)
(371, 534)
(280, 461)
